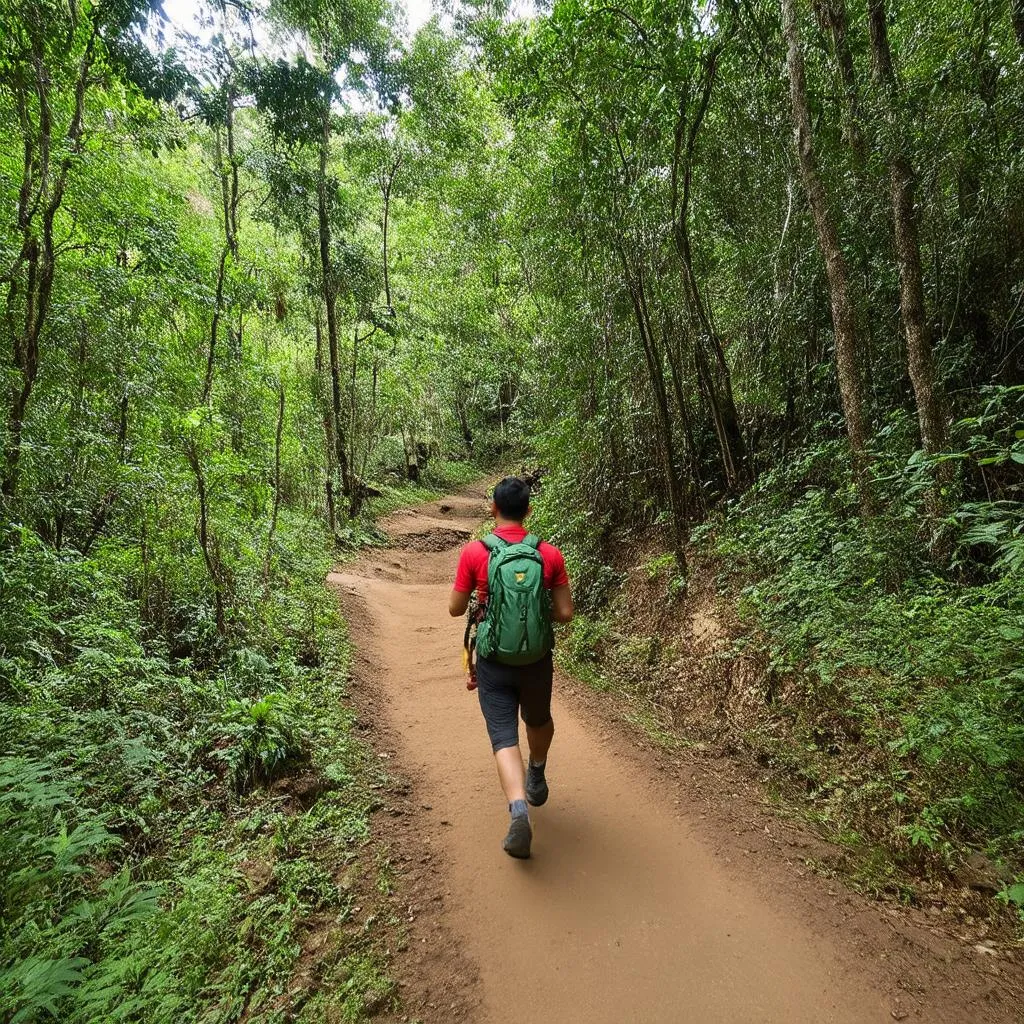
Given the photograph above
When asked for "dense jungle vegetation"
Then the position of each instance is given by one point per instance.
(268, 275)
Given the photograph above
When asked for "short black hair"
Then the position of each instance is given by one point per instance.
(512, 496)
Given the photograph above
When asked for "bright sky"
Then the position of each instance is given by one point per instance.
(183, 12)
(418, 11)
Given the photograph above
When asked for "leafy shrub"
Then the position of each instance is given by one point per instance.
(1013, 895)
(129, 758)
(918, 663)
(59, 915)
(582, 641)
(260, 739)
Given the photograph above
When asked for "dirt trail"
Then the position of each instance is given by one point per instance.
(625, 913)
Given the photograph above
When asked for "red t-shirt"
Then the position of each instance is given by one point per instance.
(472, 571)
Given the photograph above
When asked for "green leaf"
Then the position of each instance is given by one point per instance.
(1015, 894)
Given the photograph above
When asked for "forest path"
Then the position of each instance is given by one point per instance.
(624, 913)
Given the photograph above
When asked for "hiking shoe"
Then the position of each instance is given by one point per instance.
(536, 786)
(517, 842)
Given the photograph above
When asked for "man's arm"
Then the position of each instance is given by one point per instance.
(465, 583)
(561, 595)
(561, 603)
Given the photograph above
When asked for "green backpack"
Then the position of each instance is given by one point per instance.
(517, 629)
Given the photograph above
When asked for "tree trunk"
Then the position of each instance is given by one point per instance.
(40, 197)
(673, 352)
(277, 485)
(908, 246)
(218, 313)
(386, 180)
(327, 419)
(843, 319)
(718, 385)
(227, 174)
(353, 424)
(230, 197)
(99, 519)
(409, 447)
(332, 518)
(463, 416)
(832, 18)
(656, 375)
(330, 303)
(206, 539)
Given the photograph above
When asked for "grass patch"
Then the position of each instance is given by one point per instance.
(173, 824)
(592, 653)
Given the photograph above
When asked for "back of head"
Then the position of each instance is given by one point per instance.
(512, 498)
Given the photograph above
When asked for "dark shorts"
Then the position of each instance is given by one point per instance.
(508, 690)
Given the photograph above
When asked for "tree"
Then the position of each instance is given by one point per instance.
(54, 56)
(300, 99)
(843, 313)
(908, 245)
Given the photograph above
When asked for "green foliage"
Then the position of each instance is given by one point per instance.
(186, 444)
(658, 565)
(260, 740)
(690, 396)
(919, 665)
(123, 840)
(1013, 895)
(62, 919)
(253, 302)
(583, 638)
(585, 530)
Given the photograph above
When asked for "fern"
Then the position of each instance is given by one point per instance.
(38, 985)
(260, 739)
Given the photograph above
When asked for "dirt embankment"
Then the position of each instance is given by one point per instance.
(695, 678)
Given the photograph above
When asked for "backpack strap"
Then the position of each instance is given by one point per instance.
(493, 542)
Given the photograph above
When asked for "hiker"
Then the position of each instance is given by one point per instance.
(521, 580)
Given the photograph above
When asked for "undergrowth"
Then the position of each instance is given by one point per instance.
(175, 809)
(891, 676)
(889, 655)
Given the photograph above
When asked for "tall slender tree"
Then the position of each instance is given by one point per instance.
(844, 321)
(902, 181)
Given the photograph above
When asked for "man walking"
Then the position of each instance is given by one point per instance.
(523, 584)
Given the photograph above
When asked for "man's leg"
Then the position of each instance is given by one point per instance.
(535, 697)
(510, 773)
(539, 740)
(499, 702)
(513, 782)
